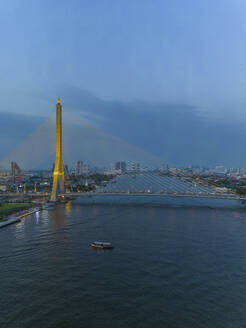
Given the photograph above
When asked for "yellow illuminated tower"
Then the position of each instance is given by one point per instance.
(58, 176)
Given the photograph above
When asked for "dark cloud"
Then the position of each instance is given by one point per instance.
(139, 131)
(176, 133)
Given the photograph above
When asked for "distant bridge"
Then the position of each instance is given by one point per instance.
(215, 196)
(152, 183)
(91, 194)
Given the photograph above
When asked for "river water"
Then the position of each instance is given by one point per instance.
(172, 265)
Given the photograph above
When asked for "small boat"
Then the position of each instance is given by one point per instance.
(101, 244)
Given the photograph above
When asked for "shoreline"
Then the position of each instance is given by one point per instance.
(18, 215)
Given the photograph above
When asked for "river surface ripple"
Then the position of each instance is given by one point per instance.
(171, 267)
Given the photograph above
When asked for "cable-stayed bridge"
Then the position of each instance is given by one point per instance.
(158, 183)
(149, 183)
(153, 182)
(145, 182)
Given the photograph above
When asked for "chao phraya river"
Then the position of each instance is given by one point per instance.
(172, 266)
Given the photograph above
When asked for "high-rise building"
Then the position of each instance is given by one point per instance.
(66, 171)
(120, 166)
(15, 169)
(135, 167)
(85, 170)
(78, 168)
(165, 167)
(81, 169)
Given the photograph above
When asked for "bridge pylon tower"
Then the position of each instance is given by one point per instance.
(58, 175)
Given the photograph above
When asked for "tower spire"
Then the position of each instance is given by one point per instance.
(58, 175)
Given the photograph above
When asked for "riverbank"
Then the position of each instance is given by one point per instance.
(10, 209)
(16, 212)
(8, 221)
(12, 213)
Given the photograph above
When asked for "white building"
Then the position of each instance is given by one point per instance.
(135, 167)
(220, 169)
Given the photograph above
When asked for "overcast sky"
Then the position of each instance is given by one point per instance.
(174, 51)
(167, 76)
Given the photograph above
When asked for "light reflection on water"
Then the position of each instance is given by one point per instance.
(171, 267)
(37, 216)
(68, 208)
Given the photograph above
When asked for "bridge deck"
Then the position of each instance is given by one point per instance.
(89, 194)
(216, 196)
